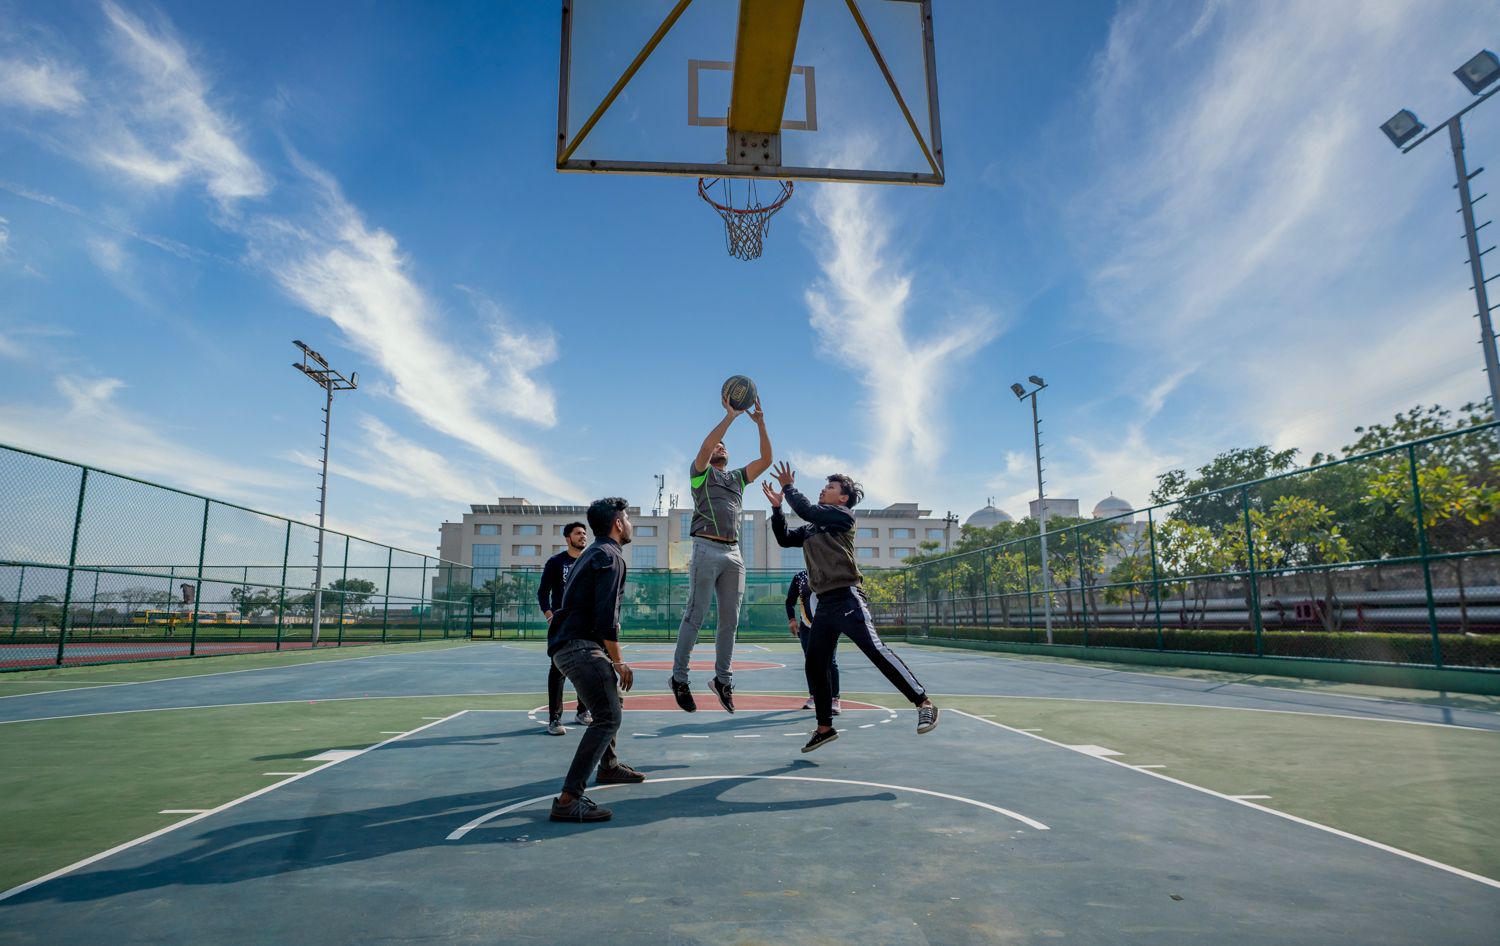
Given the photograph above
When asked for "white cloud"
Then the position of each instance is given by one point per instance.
(167, 131)
(90, 426)
(107, 254)
(41, 85)
(399, 465)
(515, 354)
(357, 277)
(860, 311)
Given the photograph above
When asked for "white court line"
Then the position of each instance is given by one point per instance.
(694, 737)
(646, 735)
(1270, 811)
(1150, 766)
(1249, 797)
(77, 865)
(868, 726)
(465, 829)
(221, 673)
(749, 736)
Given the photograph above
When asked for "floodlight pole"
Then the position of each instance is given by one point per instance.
(330, 381)
(1471, 239)
(1041, 498)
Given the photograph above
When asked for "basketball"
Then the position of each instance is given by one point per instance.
(740, 392)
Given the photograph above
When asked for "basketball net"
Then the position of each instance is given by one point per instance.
(747, 219)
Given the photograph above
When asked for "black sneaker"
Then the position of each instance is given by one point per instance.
(927, 717)
(819, 738)
(581, 810)
(618, 774)
(684, 696)
(725, 693)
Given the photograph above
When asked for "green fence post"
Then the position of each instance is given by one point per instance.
(94, 605)
(62, 622)
(1416, 498)
(198, 581)
(286, 554)
(1083, 591)
(239, 629)
(385, 621)
(422, 599)
(1253, 599)
(1155, 578)
(343, 592)
(15, 621)
(988, 625)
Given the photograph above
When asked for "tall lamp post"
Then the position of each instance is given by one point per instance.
(315, 367)
(1041, 493)
(1477, 74)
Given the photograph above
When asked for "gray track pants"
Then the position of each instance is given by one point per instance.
(716, 570)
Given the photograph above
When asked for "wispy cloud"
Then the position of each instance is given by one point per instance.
(40, 85)
(515, 354)
(166, 129)
(107, 254)
(396, 464)
(860, 311)
(339, 267)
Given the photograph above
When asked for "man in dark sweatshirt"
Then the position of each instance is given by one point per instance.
(801, 604)
(584, 644)
(549, 598)
(827, 542)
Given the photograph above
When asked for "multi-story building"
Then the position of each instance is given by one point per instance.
(515, 533)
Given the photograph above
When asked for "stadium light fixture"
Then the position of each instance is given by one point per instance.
(1041, 493)
(1478, 74)
(330, 381)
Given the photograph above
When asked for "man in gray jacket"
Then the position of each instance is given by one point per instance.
(716, 569)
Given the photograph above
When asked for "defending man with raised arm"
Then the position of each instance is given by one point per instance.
(827, 542)
(716, 568)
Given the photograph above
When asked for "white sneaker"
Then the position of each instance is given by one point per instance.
(556, 728)
(584, 718)
(809, 704)
(836, 707)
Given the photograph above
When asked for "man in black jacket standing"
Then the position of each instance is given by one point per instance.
(549, 598)
(827, 542)
(800, 607)
(584, 644)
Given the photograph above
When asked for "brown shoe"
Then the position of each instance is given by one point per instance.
(618, 774)
(581, 810)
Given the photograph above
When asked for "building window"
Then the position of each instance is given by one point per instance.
(747, 541)
(528, 530)
(526, 551)
(901, 554)
(935, 534)
(486, 556)
(686, 520)
(646, 532)
(792, 558)
(864, 552)
(482, 529)
(903, 533)
(481, 576)
(868, 532)
(644, 556)
(558, 548)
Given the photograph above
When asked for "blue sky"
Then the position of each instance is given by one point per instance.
(1183, 215)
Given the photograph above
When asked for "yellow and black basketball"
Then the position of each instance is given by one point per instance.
(740, 392)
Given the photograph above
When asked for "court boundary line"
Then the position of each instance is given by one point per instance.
(1287, 816)
(212, 673)
(458, 833)
(118, 848)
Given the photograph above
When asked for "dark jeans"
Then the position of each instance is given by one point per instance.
(554, 693)
(803, 634)
(587, 667)
(845, 612)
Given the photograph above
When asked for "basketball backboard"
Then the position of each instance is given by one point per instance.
(823, 90)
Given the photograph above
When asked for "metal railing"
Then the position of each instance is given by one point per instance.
(1391, 556)
(96, 567)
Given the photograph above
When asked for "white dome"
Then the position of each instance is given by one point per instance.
(1111, 506)
(987, 517)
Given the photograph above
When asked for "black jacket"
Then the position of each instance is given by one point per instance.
(590, 608)
(554, 574)
(799, 590)
(827, 542)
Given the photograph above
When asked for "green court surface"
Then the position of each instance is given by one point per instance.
(99, 756)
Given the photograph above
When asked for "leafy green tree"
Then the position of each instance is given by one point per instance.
(250, 601)
(1230, 468)
(47, 611)
(354, 592)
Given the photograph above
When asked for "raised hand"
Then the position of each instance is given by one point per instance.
(783, 473)
(774, 495)
(756, 413)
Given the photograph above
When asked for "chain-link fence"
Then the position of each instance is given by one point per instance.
(655, 599)
(1391, 556)
(96, 567)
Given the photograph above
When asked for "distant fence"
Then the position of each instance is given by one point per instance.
(96, 567)
(1388, 557)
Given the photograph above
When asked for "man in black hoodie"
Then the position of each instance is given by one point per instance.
(827, 543)
(549, 598)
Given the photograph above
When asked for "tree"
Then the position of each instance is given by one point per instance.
(1230, 468)
(354, 592)
(140, 598)
(1298, 533)
(251, 601)
(47, 611)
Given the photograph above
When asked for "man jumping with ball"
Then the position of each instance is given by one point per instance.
(827, 541)
(717, 570)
